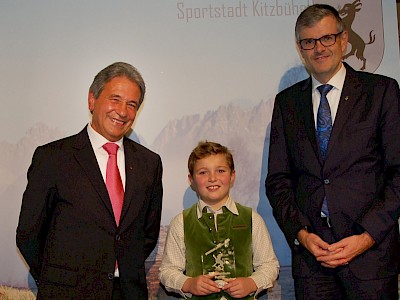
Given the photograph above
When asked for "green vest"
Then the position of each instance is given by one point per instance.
(201, 238)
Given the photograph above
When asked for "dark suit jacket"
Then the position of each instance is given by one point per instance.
(361, 174)
(67, 231)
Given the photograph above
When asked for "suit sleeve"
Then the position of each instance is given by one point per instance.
(381, 218)
(153, 218)
(279, 184)
(35, 215)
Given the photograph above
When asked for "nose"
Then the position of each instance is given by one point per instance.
(318, 46)
(212, 177)
(122, 109)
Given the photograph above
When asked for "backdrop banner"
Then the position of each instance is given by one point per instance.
(212, 70)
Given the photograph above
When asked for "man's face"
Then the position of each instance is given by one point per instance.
(114, 111)
(323, 62)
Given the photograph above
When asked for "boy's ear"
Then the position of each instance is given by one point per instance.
(190, 178)
(190, 181)
(233, 177)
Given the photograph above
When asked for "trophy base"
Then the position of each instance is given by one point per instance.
(220, 283)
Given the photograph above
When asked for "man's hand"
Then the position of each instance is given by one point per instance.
(346, 250)
(201, 285)
(318, 247)
(313, 243)
(240, 287)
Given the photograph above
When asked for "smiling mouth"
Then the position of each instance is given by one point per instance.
(322, 57)
(118, 122)
(213, 187)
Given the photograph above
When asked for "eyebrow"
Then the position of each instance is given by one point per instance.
(119, 96)
(114, 96)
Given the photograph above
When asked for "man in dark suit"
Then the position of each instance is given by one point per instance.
(337, 200)
(76, 243)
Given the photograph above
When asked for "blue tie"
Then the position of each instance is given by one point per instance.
(324, 119)
(324, 129)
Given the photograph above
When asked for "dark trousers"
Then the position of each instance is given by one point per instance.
(117, 291)
(340, 283)
(343, 285)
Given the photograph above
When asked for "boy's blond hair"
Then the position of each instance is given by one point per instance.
(205, 149)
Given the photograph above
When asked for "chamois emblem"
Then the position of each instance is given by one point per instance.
(348, 14)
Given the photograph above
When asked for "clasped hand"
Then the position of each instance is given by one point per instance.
(205, 285)
(336, 254)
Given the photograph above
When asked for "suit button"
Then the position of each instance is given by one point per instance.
(326, 181)
(117, 237)
(110, 276)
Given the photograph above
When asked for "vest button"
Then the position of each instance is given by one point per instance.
(326, 181)
(110, 276)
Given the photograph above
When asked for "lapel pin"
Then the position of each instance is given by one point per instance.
(346, 98)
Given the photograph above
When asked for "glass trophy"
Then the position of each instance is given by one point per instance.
(220, 262)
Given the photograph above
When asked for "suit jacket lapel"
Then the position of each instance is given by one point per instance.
(351, 92)
(131, 176)
(87, 160)
(306, 109)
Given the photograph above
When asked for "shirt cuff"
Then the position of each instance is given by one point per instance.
(180, 283)
(261, 283)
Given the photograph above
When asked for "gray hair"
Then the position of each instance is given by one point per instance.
(314, 14)
(118, 69)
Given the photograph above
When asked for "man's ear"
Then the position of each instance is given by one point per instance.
(345, 40)
(298, 46)
(91, 100)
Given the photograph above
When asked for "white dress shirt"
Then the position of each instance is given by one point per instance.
(97, 141)
(337, 81)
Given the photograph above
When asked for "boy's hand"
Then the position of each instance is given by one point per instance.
(240, 287)
(201, 285)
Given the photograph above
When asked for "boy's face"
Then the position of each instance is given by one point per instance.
(212, 179)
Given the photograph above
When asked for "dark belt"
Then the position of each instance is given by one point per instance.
(326, 222)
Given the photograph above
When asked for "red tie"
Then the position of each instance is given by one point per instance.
(113, 180)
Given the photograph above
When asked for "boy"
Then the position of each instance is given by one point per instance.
(217, 248)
